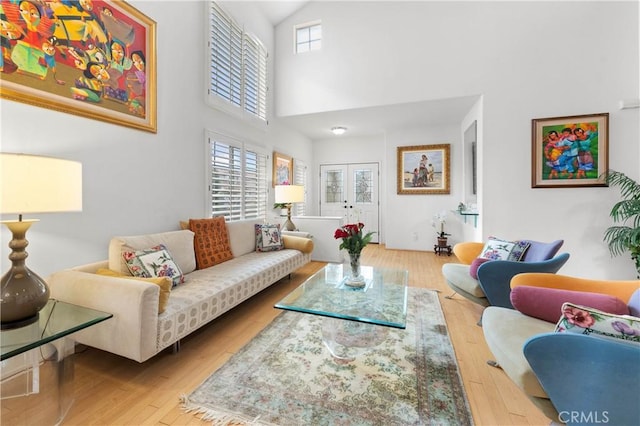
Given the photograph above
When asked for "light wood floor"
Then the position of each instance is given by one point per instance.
(110, 390)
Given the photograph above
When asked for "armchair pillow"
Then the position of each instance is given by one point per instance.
(546, 303)
(537, 251)
(586, 320)
(497, 249)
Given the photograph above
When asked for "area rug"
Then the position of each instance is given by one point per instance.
(286, 376)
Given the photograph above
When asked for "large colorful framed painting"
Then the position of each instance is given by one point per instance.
(96, 59)
(570, 151)
(424, 169)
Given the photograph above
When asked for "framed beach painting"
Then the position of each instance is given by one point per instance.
(282, 169)
(424, 169)
(92, 58)
(569, 152)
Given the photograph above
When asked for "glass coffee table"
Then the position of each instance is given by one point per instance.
(356, 319)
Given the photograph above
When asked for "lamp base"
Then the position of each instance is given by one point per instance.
(23, 292)
(20, 323)
(289, 226)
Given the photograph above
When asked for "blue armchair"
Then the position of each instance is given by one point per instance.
(492, 287)
(589, 380)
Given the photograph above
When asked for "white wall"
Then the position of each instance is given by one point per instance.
(134, 181)
(527, 60)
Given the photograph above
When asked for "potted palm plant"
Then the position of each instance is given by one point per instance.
(626, 213)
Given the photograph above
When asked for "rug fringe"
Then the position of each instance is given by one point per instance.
(218, 417)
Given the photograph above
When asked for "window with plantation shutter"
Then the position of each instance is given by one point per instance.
(300, 178)
(237, 66)
(237, 175)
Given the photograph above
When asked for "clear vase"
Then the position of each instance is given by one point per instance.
(354, 277)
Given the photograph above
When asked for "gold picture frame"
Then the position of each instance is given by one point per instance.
(424, 169)
(570, 152)
(96, 60)
(282, 169)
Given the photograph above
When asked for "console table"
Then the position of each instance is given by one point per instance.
(37, 364)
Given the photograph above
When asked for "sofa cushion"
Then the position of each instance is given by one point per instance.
(268, 238)
(459, 274)
(546, 303)
(505, 331)
(153, 262)
(165, 284)
(211, 241)
(179, 244)
(537, 251)
(585, 320)
(242, 236)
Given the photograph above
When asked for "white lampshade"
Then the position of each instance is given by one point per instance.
(35, 184)
(286, 194)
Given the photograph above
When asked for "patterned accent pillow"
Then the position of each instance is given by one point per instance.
(153, 262)
(268, 238)
(211, 241)
(584, 320)
(497, 249)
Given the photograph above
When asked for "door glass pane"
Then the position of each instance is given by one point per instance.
(362, 186)
(335, 187)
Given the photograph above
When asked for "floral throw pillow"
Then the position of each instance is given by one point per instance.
(584, 320)
(153, 262)
(497, 249)
(268, 238)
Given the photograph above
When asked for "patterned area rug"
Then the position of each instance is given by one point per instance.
(286, 376)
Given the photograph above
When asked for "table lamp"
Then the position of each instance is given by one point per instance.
(289, 194)
(31, 184)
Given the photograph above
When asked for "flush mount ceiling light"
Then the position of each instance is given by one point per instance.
(338, 130)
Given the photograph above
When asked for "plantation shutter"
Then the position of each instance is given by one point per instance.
(255, 183)
(226, 180)
(237, 179)
(255, 77)
(300, 178)
(226, 56)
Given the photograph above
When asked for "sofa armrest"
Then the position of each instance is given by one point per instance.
(133, 330)
(467, 251)
(622, 289)
(495, 276)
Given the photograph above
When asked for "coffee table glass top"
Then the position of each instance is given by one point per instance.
(382, 301)
(57, 319)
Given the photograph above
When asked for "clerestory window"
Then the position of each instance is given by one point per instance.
(237, 66)
(308, 37)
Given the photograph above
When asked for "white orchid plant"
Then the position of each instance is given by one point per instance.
(438, 221)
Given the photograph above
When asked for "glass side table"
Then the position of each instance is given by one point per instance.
(36, 364)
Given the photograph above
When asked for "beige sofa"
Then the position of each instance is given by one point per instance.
(137, 331)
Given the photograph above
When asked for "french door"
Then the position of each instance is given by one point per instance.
(351, 191)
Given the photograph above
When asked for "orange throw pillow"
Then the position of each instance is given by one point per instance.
(211, 241)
